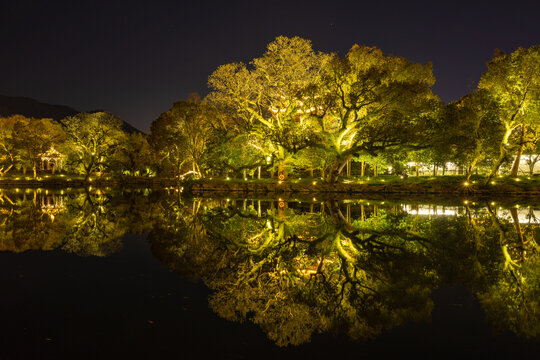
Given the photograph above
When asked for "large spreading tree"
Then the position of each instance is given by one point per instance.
(266, 97)
(94, 139)
(368, 103)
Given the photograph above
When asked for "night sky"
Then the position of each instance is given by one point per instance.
(136, 58)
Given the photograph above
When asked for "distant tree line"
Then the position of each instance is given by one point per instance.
(86, 143)
(297, 111)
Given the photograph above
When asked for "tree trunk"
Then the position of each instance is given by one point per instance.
(4, 172)
(282, 171)
(362, 168)
(375, 170)
(502, 156)
(349, 168)
(336, 169)
(258, 172)
(34, 169)
(515, 166)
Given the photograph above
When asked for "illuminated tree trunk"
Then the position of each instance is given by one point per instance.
(336, 169)
(349, 168)
(362, 168)
(374, 169)
(4, 172)
(258, 172)
(282, 171)
(515, 166)
(470, 169)
(502, 155)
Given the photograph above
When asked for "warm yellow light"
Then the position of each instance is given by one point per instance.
(314, 183)
(227, 178)
(466, 183)
(465, 202)
(493, 183)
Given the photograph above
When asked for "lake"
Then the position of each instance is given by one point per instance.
(100, 274)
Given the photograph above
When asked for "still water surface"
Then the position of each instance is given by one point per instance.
(150, 274)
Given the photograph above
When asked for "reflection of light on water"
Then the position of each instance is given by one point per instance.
(431, 210)
(525, 215)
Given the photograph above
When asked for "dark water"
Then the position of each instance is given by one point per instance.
(157, 275)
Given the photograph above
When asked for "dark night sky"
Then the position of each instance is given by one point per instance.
(136, 58)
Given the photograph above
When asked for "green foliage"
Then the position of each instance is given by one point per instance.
(93, 140)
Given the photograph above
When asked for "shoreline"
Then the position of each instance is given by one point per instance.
(434, 188)
(291, 188)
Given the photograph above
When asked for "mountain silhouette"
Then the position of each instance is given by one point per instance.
(19, 105)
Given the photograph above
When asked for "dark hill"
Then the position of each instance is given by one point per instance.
(18, 105)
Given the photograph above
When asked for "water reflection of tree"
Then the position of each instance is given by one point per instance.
(512, 300)
(24, 225)
(86, 223)
(99, 220)
(295, 273)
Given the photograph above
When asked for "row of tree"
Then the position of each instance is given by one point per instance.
(87, 143)
(294, 109)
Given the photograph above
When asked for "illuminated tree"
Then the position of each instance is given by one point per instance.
(369, 102)
(8, 154)
(266, 97)
(93, 139)
(134, 155)
(183, 135)
(470, 130)
(33, 137)
(513, 82)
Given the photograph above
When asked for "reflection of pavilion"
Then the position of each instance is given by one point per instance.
(51, 205)
(52, 160)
